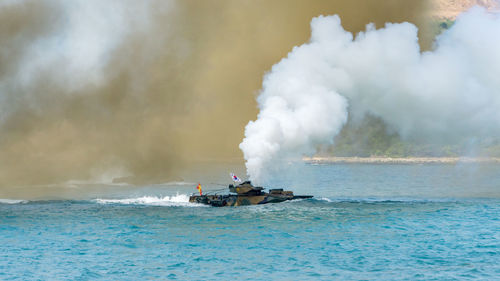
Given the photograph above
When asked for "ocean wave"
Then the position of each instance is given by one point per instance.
(171, 201)
(12, 201)
(324, 199)
(384, 200)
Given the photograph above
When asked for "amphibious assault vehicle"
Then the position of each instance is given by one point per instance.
(246, 194)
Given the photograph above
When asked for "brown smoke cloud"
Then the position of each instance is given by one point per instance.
(176, 88)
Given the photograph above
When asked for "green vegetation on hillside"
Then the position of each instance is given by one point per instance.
(372, 137)
(445, 24)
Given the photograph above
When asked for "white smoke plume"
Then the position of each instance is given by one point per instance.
(450, 92)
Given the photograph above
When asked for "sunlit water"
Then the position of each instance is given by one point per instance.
(366, 222)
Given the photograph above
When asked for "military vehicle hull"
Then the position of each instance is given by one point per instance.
(238, 200)
(246, 194)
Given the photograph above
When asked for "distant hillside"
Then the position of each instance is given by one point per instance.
(450, 9)
(371, 137)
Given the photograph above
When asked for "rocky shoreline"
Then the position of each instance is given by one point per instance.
(402, 160)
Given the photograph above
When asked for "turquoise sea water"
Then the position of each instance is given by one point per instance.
(366, 222)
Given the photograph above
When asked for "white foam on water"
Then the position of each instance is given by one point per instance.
(386, 200)
(12, 201)
(171, 201)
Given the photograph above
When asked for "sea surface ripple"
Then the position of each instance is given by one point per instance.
(324, 238)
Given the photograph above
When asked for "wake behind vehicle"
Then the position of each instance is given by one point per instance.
(246, 194)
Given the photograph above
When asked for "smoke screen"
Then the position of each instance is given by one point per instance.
(137, 91)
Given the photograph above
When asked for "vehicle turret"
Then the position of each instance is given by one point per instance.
(246, 188)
